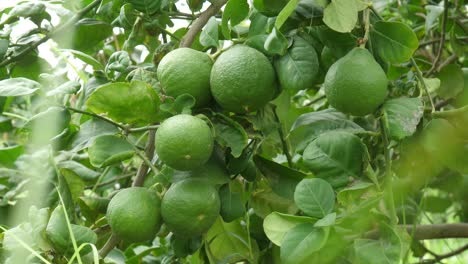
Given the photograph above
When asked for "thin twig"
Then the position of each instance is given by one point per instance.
(96, 116)
(422, 82)
(284, 143)
(125, 176)
(438, 258)
(453, 112)
(201, 21)
(149, 153)
(435, 231)
(442, 40)
(65, 26)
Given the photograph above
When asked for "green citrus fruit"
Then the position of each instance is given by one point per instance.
(184, 142)
(134, 214)
(190, 207)
(356, 84)
(269, 8)
(188, 71)
(243, 79)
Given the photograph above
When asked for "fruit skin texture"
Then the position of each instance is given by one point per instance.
(269, 8)
(356, 84)
(190, 207)
(243, 79)
(184, 142)
(188, 71)
(134, 214)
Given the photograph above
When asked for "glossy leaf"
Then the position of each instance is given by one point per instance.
(336, 157)
(395, 42)
(315, 197)
(209, 36)
(452, 81)
(132, 103)
(232, 206)
(298, 68)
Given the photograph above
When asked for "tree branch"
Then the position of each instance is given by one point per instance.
(201, 21)
(138, 181)
(442, 40)
(438, 258)
(36, 44)
(436, 231)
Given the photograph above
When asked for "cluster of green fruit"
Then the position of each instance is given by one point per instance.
(241, 80)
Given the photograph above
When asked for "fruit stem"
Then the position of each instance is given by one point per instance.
(366, 20)
(110, 244)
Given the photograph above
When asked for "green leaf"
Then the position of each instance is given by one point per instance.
(18, 87)
(395, 42)
(213, 172)
(298, 68)
(376, 251)
(230, 134)
(86, 59)
(458, 46)
(282, 180)
(285, 13)
(301, 243)
(146, 6)
(86, 35)
(69, 87)
(328, 220)
(109, 149)
(79, 169)
(264, 201)
(119, 61)
(133, 103)
(436, 204)
(336, 156)
(4, 43)
(315, 197)
(276, 225)
(402, 115)
(227, 243)
(276, 43)
(57, 232)
(310, 125)
(235, 12)
(349, 195)
(8, 155)
(74, 182)
(341, 15)
(209, 36)
(56, 118)
(232, 206)
(433, 13)
(91, 129)
(452, 81)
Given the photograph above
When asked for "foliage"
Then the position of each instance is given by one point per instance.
(281, 175)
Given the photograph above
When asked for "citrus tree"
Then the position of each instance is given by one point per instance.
(233, 131)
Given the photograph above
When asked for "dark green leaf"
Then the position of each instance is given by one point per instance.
(336, 157)
(232, 206)
(282, 180)
(108, 149)
(276, 43)
(230, 134)
(8, 155)
(298, 68)
(235, 12)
